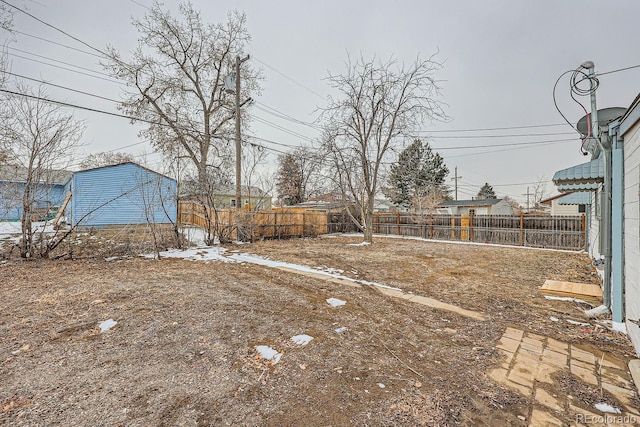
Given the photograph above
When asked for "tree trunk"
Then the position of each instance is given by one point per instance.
(27, 233)
(368, 220)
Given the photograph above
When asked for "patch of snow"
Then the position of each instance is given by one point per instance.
(568, 299)
(359, 244)
(554, 319)
(10, 228)
(268, 353)
(605, 407)
(112, 258)
(381, 385)
(194, 235)
(453, 242)
(341, 330)
(301, 339)
(106, 325)
(216, 253)
(335, 302)
(574, 322)
(330, 270)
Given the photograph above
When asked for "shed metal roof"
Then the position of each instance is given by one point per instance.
(584, 173)
(577, 198)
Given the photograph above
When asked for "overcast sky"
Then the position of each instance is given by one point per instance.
(501, 60)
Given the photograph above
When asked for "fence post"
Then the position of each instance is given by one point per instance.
(453, 227)
(471, 216)
(398, 222)
(431, 226)
(304, 223)
(521, 229)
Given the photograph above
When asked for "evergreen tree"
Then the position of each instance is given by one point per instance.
(486, 192)
(418, 171)
(290, 180)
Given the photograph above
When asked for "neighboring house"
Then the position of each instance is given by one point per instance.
(49, 191)
(476, 207)
(224, 197)
(568, 204)
(122, 194)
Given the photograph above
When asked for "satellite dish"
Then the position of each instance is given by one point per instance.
(605, 116)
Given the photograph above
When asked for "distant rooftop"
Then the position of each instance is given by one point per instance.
(481, 202)
(15, 173)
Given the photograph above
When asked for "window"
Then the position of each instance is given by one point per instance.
(472, 211)
(582, 208)
(233, 203)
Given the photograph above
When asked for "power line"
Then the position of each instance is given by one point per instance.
(57, 43)
(55, 28)
(94, 110)
(518, 135)
(618, 70)
(494, 128)
(290, 78)
(58, 61)
(66, 69)
(62, 87)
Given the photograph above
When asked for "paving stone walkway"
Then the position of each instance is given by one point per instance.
(528, 366)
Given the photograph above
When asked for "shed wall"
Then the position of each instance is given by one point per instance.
(122, 194)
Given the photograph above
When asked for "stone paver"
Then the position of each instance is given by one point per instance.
(546, 399)
(541, 418)
(616, 376)
(529, 363)
(586, 375)
(554, 358)
(514, 334)
(582, 355)
(508, 344)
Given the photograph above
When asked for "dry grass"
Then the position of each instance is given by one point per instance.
(183, 351)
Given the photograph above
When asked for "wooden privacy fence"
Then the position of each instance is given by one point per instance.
(557, 232)
(254, 225)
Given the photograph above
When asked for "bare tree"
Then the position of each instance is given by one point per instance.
(516, 209)
(39, 138)
(105, 159)
(377, 106)
(178, 73)
(540, 191)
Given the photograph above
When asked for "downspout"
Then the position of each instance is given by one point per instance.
(605, 230)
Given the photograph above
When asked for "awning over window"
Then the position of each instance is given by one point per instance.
(586, 173)
(570, 188)
(579, 198)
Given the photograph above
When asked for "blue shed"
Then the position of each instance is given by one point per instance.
(50, 190)
(122, 194)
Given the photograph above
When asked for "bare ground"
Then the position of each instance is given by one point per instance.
(183, 350)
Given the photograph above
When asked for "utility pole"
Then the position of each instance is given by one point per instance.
(239, 61)
(527, 194)
(456, 178)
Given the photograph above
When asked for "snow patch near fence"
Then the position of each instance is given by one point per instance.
(216, 253)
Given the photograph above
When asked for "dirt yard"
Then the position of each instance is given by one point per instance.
(183, 351)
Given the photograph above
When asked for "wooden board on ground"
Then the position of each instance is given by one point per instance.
(585, 291)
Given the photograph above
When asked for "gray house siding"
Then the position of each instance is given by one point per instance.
(121, 194)
(631, 232)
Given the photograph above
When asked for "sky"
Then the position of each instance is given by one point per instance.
(501, 61)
